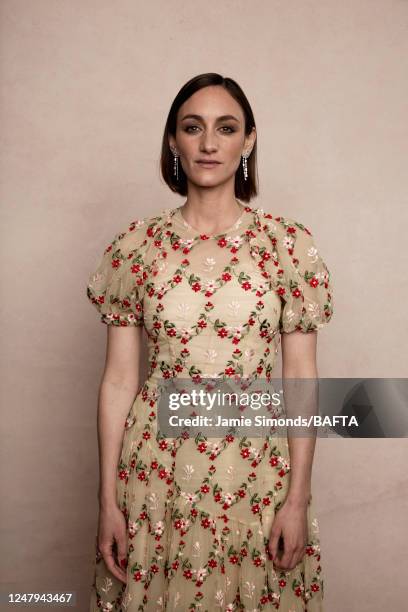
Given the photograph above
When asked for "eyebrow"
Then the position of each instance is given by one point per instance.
(222, 118)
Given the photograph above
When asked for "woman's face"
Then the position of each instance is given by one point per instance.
(211, 126)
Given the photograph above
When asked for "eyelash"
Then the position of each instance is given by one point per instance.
(225, 126)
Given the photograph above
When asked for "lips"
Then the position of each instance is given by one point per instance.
(208, 164)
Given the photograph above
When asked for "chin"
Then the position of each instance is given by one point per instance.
(206, 182)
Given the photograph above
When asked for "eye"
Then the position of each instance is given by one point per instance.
(190, 129)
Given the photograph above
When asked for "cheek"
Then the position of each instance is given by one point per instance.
(187, 146)
(233, 150)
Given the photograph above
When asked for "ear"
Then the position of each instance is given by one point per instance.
(250, 141)
(172, 144)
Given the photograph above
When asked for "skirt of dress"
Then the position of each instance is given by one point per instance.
(199, 513)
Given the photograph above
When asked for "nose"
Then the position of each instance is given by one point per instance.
(208, 142)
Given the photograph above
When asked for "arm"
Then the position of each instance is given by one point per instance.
(115, 288)
(298, 361)
(117, 390)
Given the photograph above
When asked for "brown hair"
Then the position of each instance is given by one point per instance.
(244, 190)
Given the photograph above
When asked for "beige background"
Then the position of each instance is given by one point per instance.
(86, 88)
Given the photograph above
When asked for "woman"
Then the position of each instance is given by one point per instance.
(190, 523)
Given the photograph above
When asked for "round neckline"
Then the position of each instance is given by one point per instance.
(187, 226)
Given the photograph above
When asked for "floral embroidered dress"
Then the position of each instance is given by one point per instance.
(199, 510)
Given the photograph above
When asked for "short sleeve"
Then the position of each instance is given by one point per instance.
(115, 288)
(306, 290)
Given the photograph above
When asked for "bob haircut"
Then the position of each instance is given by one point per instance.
(244, 190)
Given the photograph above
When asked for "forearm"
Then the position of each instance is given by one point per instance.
(114, 402)
(301, 399)
(301, 451)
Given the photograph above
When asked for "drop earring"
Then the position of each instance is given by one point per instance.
(245, 166)
(175, 166)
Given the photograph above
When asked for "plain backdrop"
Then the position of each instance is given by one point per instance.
(86, 86)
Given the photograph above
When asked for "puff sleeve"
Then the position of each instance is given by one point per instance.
(115, 288)
(306, 286)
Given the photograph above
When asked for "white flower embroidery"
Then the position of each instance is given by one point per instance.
(183, 308)
(196, 549)
(107, 585)
(218, 551)
(200, 573)
(107, 607)
(215, 446)
(249, 589)
(209, 264)
(228, 498)
(235, 329)
(162, 266)
(249, 354)
(284, 463)
(289, 315)
(186, 332)
(288, 242)
(97, 282)
(219, 598)
(126, 600)
(188, 472)
(313, 254)
(210, 355)
(271, 226)
(129, 421)
(132, 528)
(255, 453)
(230, 472)
(158, 528)
(234, 306)
(210, 375)
(189, 497)
(314, 310)
(186, 242)
(210, 285)
(235, 241)
(161, 288)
